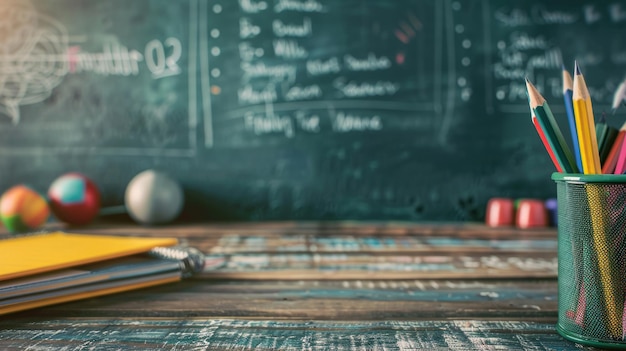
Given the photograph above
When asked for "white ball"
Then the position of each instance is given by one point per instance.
(153, 197)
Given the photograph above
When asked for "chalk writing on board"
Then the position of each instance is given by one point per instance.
(160, 58)
(525, 46)
(279, 70)
(40, 53)
(61, 70)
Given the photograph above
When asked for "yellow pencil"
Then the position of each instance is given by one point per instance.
(585, 125)
(611, 294)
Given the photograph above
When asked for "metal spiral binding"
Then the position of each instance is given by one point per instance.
(191, 259)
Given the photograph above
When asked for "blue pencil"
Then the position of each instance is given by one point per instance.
(568, 88)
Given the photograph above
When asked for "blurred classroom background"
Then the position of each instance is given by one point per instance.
(279, 110)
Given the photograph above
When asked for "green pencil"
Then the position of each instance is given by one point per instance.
(606, 136)
(551, 129)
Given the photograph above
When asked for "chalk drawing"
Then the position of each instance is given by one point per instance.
(33, 56)
(37, 52)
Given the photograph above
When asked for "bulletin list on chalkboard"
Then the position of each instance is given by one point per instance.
(298, 109)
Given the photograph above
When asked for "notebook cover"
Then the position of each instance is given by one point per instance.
(32, 254)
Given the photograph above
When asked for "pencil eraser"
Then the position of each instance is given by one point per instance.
(500, 212)
(531, 213)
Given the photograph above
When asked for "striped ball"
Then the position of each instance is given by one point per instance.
(23, 209)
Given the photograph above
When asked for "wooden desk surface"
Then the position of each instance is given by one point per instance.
(323, 286)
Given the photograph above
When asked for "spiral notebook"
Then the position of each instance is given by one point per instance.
(49, 268)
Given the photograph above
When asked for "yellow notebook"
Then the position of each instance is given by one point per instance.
(49, 268)
(38, 253)
(89, 291)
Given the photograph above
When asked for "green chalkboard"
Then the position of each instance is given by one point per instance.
(298, 109)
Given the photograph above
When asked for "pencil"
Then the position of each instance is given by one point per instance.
(605, 135)
(544, 141)
(610, 289)
(568, 88)
(583, 113)
(620, 166)
(608, 167)
(542, 135)
(552, 132)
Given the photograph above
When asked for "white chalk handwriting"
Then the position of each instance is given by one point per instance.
(252, 6)
(299, 6)
(351, 88)
(347, 122)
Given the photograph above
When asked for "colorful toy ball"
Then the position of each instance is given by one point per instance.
(23, 209)
(74, 199)
(153, 198)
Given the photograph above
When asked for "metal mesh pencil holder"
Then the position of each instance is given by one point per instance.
(592, 259)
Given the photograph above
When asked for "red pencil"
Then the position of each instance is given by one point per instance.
(611, 160)
(545, 143)
(621, 159)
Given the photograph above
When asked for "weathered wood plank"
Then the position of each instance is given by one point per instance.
(310, 250)
(230, 334)
(326, 300)
(368, 266)
(362, 228)
(297, 243)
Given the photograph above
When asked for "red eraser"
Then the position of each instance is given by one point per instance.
(500, 212)
(531, 213)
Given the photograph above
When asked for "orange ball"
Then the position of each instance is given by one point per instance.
(23, 209)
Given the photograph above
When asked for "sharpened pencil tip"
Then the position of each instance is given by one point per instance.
(576, 68)
(534, 97)
(529, 85)
(563, 67)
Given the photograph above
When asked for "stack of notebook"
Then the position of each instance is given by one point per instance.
(49, 268)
